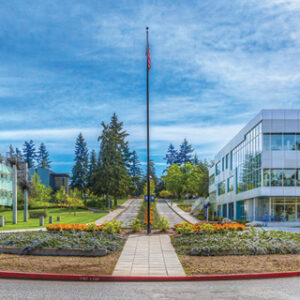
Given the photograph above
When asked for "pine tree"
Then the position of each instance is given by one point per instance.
(29, 153)
(43, 157)
(185, 153)
(171, 156)
(112, 176)
(135, 171)
(92, 170)
(1, 158)
(80, 169)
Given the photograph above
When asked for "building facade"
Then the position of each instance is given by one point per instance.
(6, 185)
(49, 178)
(258, 171)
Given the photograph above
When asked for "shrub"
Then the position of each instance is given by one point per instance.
(163, 224)
(135, 225)
(92, 227)
(112, 227)
(165, 194)
(37, 214)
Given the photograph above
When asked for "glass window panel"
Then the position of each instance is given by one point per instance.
(278, 212)
(289, 177)
(290, 212)
(276, 141)
(289, 142)
(297, 141)
(267, 177)
(298, 211)
(276, 177)
(298, 179)
(267, 142)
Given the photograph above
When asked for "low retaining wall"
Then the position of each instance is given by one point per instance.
(54, 252)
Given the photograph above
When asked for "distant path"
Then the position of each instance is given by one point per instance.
(130, 213)
(164, 210)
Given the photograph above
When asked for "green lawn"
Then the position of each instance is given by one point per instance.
(66, 216)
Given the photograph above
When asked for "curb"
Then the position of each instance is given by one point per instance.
(74, 277)
(177, 212)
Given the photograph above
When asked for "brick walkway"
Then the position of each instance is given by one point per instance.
(151, 255)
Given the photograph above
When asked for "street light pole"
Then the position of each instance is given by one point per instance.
(148, 143)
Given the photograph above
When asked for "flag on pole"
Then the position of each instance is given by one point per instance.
(148, 56)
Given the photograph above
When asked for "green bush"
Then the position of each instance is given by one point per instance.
(37, 214)
(112, 227)
(92, 227)
(135, 225)
(163, 224)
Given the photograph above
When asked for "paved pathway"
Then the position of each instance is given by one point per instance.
(283, 228)
(145, 255)
(164, 210)
(130, 214)
(185, 215)
(115, 213)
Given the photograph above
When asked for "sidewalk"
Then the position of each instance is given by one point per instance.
(184, 215)
(115, 213)
(151, 255)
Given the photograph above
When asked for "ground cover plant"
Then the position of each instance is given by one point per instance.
(186, 208)
(248, 242)
(143, 214)
(80, 240)
(66, 216)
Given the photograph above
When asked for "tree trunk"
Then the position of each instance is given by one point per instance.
(115, 201)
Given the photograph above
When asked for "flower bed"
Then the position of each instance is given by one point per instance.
(186, 227)
(248, 242)
(107, 227)
(72, 240)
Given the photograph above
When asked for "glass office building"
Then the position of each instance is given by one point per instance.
(258, 171)
(6, 185)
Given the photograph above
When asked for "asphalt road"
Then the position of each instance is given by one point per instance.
(263, 289)
(130, 213)
(164, 210)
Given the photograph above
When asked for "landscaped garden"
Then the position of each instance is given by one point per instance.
(206, 248)
(66, 217)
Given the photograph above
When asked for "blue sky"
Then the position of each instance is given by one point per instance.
(65, 66)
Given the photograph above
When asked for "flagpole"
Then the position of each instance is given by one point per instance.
(148, 144)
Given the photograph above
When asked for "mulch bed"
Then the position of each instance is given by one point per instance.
(200, 265)
(61, 265)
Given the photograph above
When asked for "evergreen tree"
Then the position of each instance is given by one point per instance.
(126, 154)
(43, 157)
(134, 167)
(1, 158)
(80, 169)
(112, 176)
(29, 153)
(92, 170)
(135, 172)
(185, 152)
(171, 156)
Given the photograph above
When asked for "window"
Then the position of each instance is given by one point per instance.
(297, 141)
(267, 142)
(226, 161)
(289, 177)
(276, 142)
(289, 142)
(223, 164)
(230, 184)
(231, 157)
(267, 177)
(276, 177)
(218, 170)
(211, 179)
(221, 188)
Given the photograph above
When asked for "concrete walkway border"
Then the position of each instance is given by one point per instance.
(75, 277)
(187, 217)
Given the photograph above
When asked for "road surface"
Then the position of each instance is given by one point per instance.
(263, 289)
(164, 210)
(130, 213)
